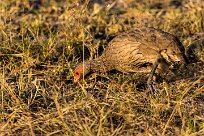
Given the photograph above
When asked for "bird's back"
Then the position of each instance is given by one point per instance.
(136, 50)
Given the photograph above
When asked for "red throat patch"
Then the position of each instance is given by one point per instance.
(77, 75)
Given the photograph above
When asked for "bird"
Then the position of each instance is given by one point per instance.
(139, 50)
(195, 51)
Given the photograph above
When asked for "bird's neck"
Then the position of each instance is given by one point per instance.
(99, 64)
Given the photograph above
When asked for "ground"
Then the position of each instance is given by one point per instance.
(42, 41)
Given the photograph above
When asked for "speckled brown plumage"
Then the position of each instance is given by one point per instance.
(137, 50)
(195, 51)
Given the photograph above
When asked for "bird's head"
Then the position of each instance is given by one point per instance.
(80, 70)
(78, 73)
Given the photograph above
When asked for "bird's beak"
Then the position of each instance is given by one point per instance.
(75, 80)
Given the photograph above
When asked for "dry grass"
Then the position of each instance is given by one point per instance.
(41, 42)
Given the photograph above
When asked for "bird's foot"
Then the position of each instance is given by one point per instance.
(152, 90)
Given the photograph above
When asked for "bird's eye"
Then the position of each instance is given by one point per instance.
(77, 73)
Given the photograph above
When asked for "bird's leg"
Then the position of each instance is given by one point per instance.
(149, 81)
